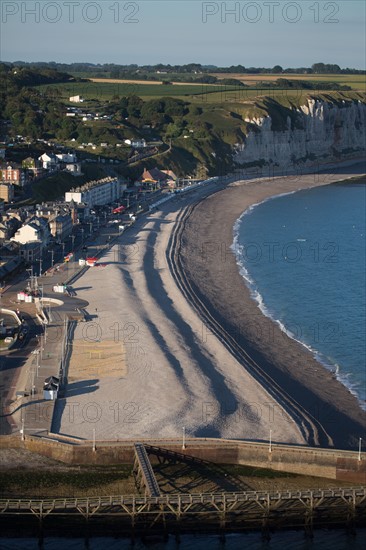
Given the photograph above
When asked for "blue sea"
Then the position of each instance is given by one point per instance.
(303, 257)
(292, 540)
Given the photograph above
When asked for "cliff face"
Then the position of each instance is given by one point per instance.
(316, 131)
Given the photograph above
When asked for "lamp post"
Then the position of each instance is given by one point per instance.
(30, 271)
(38, 352)
(33, 385)
(184, 438)
(359, 449)
(52, 257)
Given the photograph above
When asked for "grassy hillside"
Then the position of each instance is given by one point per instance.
(104, 91)
(355, 81)
(57, 185)
(201, 121)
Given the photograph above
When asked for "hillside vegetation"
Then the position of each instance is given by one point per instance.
(202, 122)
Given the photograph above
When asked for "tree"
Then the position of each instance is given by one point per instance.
(277, 69)
(135, 104)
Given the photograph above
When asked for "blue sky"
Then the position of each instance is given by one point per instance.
(259, 33)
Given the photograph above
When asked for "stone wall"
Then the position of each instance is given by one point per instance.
(330, 463)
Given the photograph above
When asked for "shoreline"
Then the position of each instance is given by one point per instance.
(208, 256)
(258, 299)
(170, 370)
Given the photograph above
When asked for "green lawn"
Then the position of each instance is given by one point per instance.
(202, 94)
(356, 81)
(105, 91)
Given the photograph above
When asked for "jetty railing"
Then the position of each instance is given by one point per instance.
(248, 509)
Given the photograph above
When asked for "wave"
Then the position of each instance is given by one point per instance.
(344, 377)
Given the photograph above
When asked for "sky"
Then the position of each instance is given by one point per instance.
(251, 33)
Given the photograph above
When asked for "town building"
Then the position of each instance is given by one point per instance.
(96, 193)
(76, 99)
(33, 167)
(66, 157)
(35, 230)
(157, 178)
(30, 252)
(9, 265)
(6, 192)
(136, 143)
(12, 174)
(49, 161)
(171, 178)
(8, 227)
(74, 168)
(61, 226)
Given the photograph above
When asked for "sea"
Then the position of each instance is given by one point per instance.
(303, 257)
(336, 539)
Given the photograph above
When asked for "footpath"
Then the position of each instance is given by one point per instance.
(45, 353)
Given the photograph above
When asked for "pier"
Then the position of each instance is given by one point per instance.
(225, 511)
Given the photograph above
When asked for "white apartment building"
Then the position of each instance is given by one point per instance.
(95, 193)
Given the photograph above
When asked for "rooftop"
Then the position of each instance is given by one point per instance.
(90, 184)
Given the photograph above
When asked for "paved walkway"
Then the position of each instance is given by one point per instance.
(46, 350)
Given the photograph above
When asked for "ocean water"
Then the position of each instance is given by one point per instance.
(303, 257)
(336, 539)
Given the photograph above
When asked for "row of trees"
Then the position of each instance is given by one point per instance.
(143, 71)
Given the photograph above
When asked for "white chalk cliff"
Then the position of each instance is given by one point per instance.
(318, 130)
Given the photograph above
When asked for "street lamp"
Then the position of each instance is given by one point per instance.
(33, 384)
(37, 352)
(52, 256)
(30, 271)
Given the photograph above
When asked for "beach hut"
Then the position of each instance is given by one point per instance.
(91, 261)
(50, 388)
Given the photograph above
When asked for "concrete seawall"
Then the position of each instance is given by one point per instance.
(330, 463)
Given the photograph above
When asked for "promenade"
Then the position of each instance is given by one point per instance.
(45, 351)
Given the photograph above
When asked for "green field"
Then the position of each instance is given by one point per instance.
(105, 91)
(355, 81)
(197, 94)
